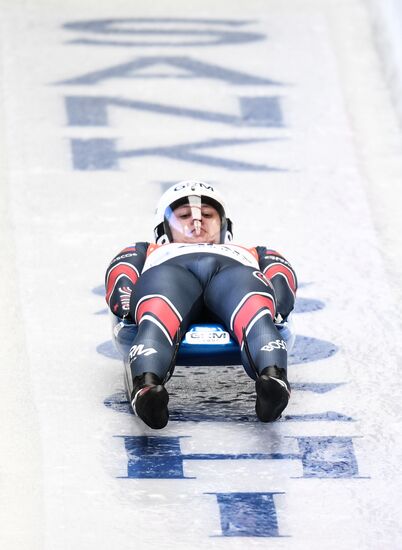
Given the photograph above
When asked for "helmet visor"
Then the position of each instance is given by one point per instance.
(194, 221)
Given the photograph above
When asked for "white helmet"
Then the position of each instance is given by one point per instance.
(193, 193)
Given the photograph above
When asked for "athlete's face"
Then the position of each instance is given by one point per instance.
(200, 224)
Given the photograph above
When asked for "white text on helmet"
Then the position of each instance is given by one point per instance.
(184, 185)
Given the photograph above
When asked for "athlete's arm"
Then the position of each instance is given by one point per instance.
(283, 278)
(121, 276)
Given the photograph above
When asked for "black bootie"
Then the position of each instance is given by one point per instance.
(273, 392)
(149, 400)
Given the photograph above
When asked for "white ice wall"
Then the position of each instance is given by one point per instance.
(387, 22)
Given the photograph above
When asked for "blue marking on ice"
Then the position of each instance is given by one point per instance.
(160, 457)
(248, 514)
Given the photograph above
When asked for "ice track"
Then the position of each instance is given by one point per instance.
(287, 106)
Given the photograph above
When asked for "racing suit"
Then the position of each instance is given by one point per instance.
(164, 288)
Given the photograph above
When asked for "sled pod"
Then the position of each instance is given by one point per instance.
(204, 344)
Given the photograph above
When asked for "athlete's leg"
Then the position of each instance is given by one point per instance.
(164, 301)
(245, 302)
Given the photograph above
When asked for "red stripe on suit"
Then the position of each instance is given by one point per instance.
(116, 272)
(251, 307)
(276, 269)
(162, 311)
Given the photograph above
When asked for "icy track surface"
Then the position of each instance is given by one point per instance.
(282, 103)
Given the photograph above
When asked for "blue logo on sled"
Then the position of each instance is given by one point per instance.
(208, 344)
